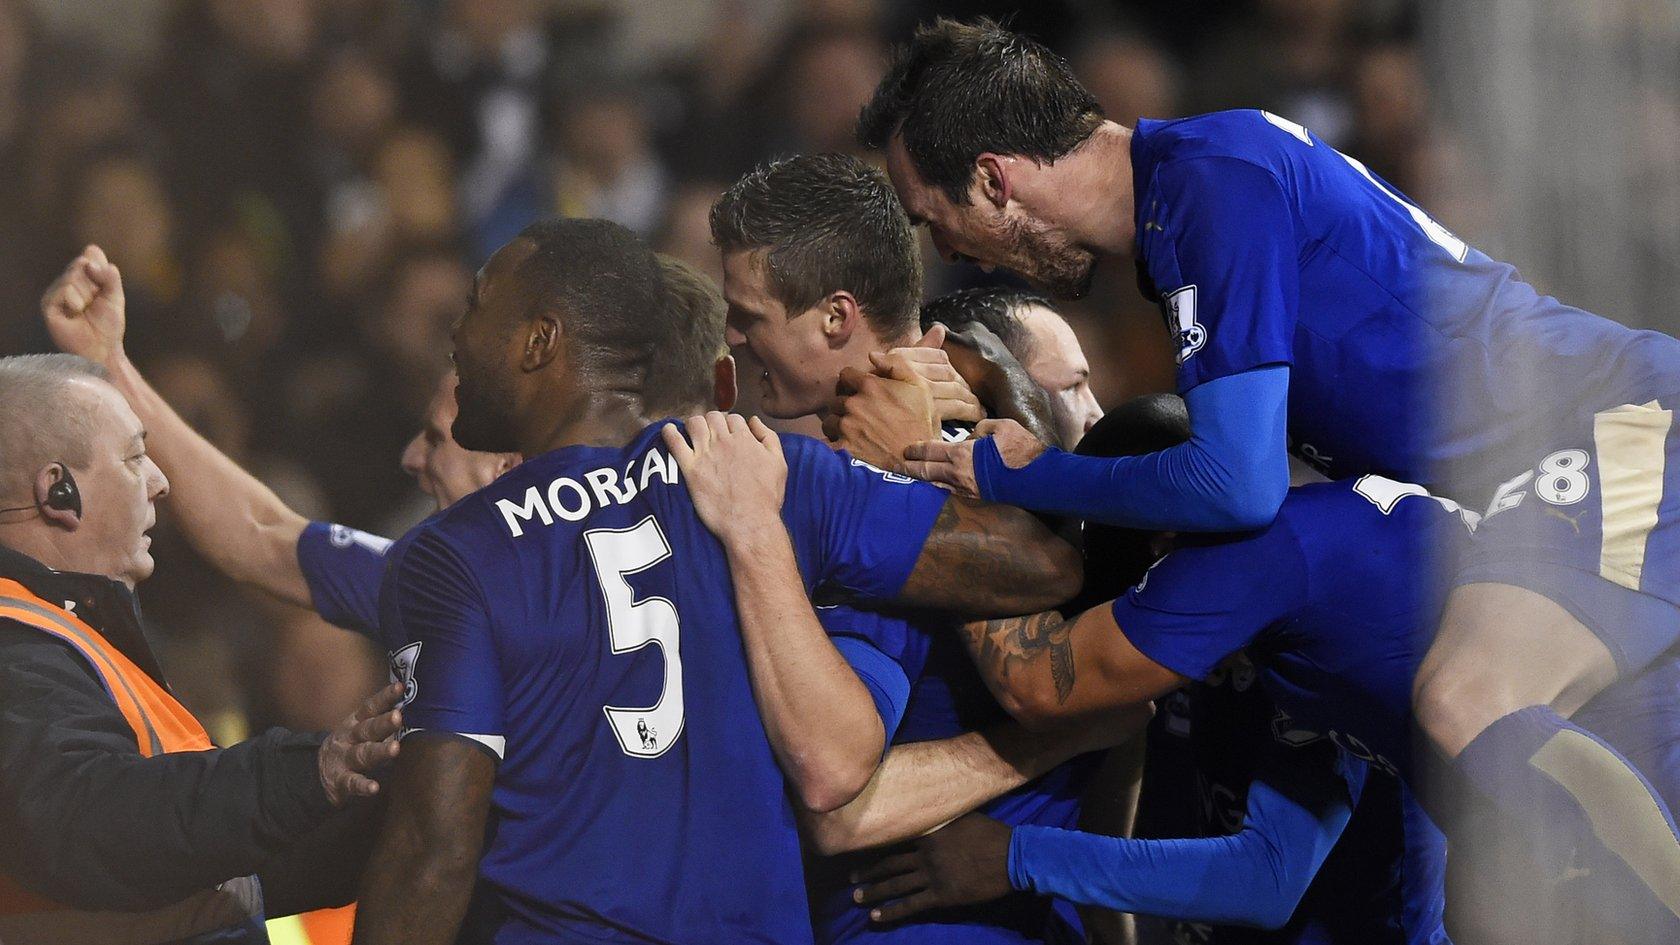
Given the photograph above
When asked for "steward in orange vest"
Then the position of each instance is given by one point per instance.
(120, 822)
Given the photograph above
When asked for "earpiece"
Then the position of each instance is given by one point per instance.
(64, 495)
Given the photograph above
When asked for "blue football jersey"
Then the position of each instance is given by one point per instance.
(1207, 743)
(1334, 603)
(576, 619)
(1411, 354)
(343, 567)
(948, 698)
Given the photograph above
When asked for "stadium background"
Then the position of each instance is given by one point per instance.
(297, 192)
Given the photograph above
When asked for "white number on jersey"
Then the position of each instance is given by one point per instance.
(645, 732)
(1385, 494)
(1438, 234)
(1563, 477)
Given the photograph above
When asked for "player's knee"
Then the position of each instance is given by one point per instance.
(1454, 701)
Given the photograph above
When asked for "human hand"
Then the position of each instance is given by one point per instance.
(875, 418)
(978, 355)
(84, 308)
(927, 363)
(735, 471)
(963, 863)
(359, 745)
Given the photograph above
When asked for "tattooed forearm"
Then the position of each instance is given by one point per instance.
(1035, 644)
(982, 559)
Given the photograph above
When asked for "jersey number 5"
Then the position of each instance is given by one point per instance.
(643, 732)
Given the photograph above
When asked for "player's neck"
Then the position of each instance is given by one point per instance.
(600, 418)
(1094, 187)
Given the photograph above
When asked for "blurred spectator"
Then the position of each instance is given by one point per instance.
(1130, 77)
(686, 231)
(118, 200)
(606, 166)
(1292, 57)
(828, 79)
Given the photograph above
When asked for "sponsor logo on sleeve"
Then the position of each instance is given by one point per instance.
(1179, 308)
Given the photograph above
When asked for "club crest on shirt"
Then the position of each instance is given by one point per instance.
(402, 669)
(1179, 309)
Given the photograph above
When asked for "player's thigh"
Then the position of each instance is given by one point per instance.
(1585, 544)
(1501, 648)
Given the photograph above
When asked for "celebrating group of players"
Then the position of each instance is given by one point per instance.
(698, 682)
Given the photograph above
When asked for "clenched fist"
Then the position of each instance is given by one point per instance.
(84, 309)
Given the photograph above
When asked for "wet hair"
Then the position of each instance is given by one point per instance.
(996, 307)
(682, 370)
(40, 425)
(827, 222)
(1116, 558)
(959, 90)
(608, 289)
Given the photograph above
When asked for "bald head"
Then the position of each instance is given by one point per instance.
(49, 416)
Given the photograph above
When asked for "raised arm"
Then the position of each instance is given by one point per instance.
(238, 524)
(922, 786)
(418, 881)
(822, 723)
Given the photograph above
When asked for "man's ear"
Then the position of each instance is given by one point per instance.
(993, 172)
(506, 461)
(45, 479)
(724, 386)
(841, 315)
(542, 344)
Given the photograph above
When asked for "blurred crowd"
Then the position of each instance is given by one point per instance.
(298, 193)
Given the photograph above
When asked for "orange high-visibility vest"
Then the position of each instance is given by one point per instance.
(161, 725)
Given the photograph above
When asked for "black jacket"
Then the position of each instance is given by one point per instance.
(89, 822)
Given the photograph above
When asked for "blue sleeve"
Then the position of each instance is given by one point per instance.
(1256, 877)
(438, 621)
(888, 687)
(885, 651)
(343, 568)
(1220, 249)
(1202, 602)
(1231, 475)
(852, 524)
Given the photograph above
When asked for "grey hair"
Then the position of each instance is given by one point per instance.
(38, 423)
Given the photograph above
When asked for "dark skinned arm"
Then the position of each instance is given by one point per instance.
(1003, 385)
(982, 559)
(420, 877)
(1046, 670)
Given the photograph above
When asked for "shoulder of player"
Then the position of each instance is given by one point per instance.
(1199, 145)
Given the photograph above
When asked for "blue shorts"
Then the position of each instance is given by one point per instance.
(1595, 526)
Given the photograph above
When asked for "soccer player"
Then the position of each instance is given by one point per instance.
(1317, 850)
(336, 570)
(822, 277)
(1315, 308)
(583, 715)
(238, 524)
(1035, 334)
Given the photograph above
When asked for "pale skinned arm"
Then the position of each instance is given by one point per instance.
(238, 524)
(921, 786)
(822, 724)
